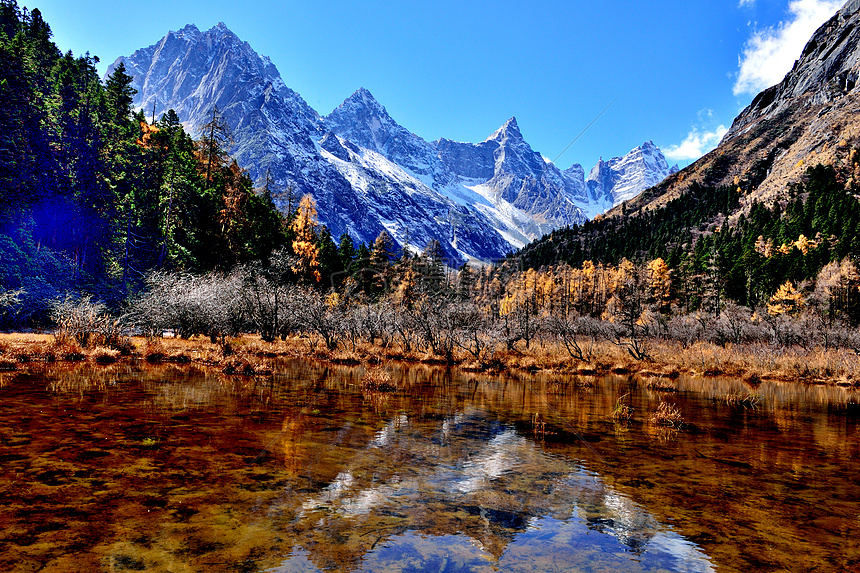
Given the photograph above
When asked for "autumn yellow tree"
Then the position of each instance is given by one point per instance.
(586, 295)
(786, 300)
(660, 284)
(518, 308)
(305, 227)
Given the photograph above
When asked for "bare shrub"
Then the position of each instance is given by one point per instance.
(85, 321)
(316, 313)
(473, 332)
(519, 322)
(686, 329)
(265, 295)
(578, 334)
(785, 329)
(432, 326)
(372, 322)
(404, 328)
(733, 325)
(190, 305)
(629, 336)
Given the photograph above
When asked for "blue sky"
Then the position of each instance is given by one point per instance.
(677, 71)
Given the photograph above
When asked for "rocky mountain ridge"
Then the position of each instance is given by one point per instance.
(367, 172)
(806, 119)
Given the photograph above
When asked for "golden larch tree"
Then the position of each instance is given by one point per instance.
(305, 227)
(786, 300)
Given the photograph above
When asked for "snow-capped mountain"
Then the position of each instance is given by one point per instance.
(365, 122)
(357, 190)
(512, 184)
(612, 182)
(521, 195)
(622, 178)
(367, 172)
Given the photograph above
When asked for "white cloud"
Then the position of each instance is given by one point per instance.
(696, 144)
(769, 54)
(745, 3)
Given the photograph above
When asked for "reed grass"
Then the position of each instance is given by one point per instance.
(102, 355)
(378, 379)
(742, 399)
(622, 412)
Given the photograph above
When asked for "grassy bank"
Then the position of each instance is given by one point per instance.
(248, 355)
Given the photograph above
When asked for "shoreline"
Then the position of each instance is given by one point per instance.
(248, 355)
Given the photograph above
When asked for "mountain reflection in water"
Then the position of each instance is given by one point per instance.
(472, 483)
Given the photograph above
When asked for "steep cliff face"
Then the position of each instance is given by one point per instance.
(365, 122)
(826, 71)
(808, 118)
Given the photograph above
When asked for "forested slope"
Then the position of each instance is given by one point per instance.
(92, 196)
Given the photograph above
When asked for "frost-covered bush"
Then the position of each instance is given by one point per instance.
(188, 304)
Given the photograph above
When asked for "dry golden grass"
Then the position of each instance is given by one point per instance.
(660, 384)
(667, 416)
(246, 354)
(378, 379)
(103, 355)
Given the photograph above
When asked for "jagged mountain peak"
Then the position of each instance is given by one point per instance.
(510, 130)
(618, 179)
(192, 71)
(364, 121)
(220, 32)
(360, 105)
(365, 96)
(190, 32)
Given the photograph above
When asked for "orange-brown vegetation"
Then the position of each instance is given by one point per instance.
(249, 355)
(667, 416)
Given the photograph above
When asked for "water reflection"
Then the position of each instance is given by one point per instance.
(474, 488)
(172, 468)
